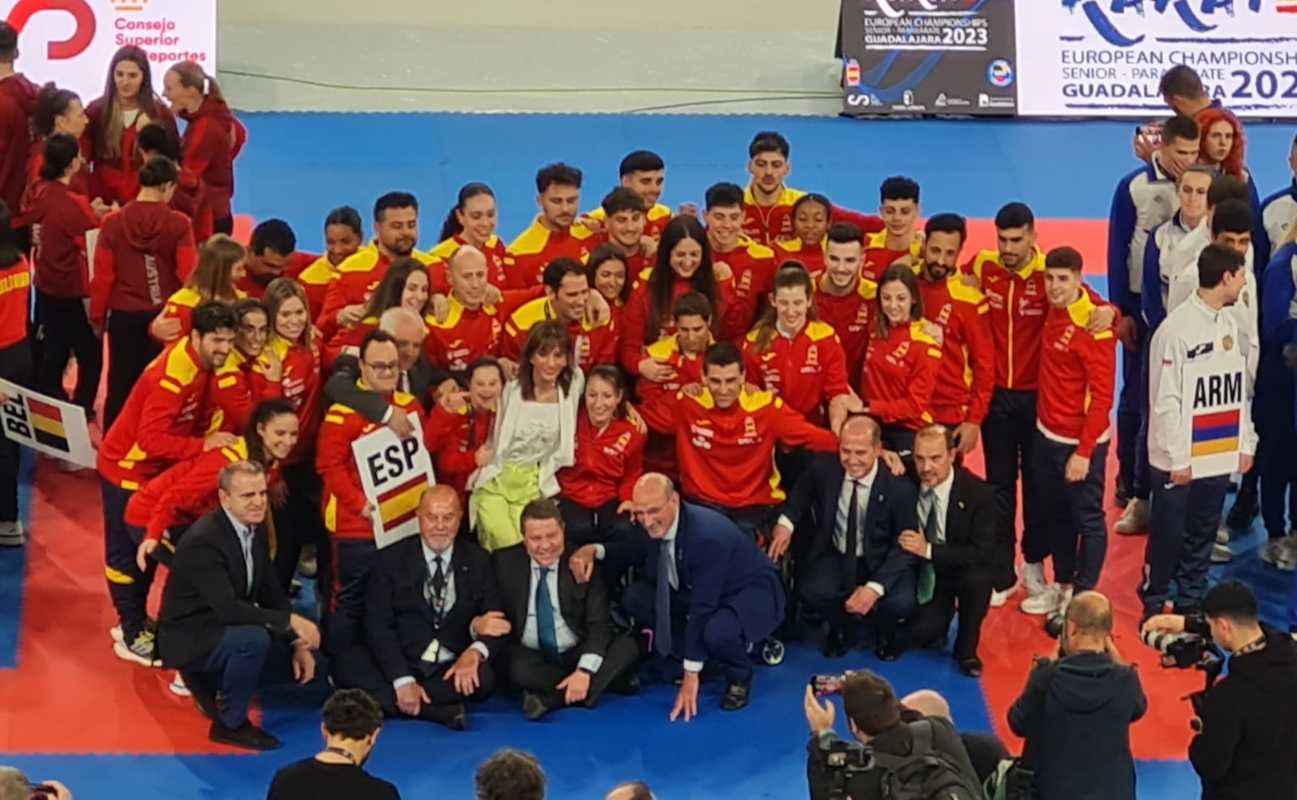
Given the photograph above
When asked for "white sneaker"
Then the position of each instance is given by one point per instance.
(1044, 603)
(1033, 578)
(177, 685)
(1134, 518)
(11, 534)
(1286, 553)
(116, 632)
(142, 650)
(1221, 554)
(1222, 535)
(1001, 597)
(1064, 599)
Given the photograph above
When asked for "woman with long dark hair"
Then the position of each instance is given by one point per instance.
(684, 264)
(212, 140)
(58, 111)
(608, 271)
(472, 220)
(15, 366)
(404, 285)
(127, 105)
(534, 436)
(60, 219)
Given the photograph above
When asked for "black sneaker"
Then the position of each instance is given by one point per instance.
(1242, 513)
(534, 706)
(202, 690)
(248, 736)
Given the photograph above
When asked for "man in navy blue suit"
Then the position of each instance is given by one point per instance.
(855, 509)
(705, 589)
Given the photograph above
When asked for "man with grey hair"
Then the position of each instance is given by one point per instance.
(223, 608)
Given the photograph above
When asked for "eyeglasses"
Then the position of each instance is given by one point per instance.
(383, 367)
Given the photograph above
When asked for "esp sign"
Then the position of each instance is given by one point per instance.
(394, 472)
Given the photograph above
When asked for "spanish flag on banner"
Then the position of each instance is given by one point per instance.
(47, 422)
(401, 503)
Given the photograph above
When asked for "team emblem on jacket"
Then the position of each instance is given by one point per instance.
(1227, 343)
(812, 356)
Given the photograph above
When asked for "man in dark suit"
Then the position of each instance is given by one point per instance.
(433, 620)
(960, 520)
(705, 589)
(222, 605)
(417, 375)
(854, 568)
(563, 650)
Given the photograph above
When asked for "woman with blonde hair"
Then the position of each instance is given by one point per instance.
(212, 140)
(221, 264)
(534, 436)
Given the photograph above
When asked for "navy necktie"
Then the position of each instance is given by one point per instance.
(546, 631)
(662, 607)
(436, 591)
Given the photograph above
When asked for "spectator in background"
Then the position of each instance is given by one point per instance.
(127, 106)
(15, 365)
(17, 103)
(1076, 711)
(352, 722)
(633, 790)
(212, 139)
(510, 775)
(14, 785)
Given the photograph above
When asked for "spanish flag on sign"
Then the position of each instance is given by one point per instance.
(401, 503)
(47, 421)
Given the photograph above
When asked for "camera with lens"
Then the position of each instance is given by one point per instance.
(1188, 651)
(845, 760)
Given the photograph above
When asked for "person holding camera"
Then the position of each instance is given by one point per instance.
(1246, 745)
(1076, 711)
(913, 755)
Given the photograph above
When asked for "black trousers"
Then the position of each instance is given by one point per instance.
(823, 589)
(1078, 530)
(127, 585)
(1182, 528)
(66, 330)
(15, 366)
(130, 349)
(1008, 434)
(298, 523)
(970, 587)
(531, 671)
(352, 560)
(355, 668)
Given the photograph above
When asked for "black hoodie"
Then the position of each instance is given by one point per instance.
(1076, 715)
(1248, 745)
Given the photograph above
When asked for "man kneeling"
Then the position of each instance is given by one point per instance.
(563, 649)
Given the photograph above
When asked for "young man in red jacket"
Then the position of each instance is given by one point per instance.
(899, 205)
(163, 422)
(844, 299)
(751, 263)
(1077, 377)
(680, 356)
(347, 512)
(567, 299)
(272, 253)
(17, 102)
(554, 232)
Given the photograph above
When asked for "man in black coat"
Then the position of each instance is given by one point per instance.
(433, 620)
(1076, 712)
(563, 649)
(417, 375)
(854, 567)
(959, 519)
(223, 605)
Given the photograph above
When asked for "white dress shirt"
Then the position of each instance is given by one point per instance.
(866, 485)
(938, 502)
(246, 536)
(564, 637)
(443, 655)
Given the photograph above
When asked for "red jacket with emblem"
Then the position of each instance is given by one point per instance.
(608, 462)
(967, 375)
(852, 318)
(806, 371)
(60, 219)
(144, 253)
(528, 255)
(299, 383)
(753, 266)
(637, 331)
(900, 375)
(452, 439)
(1077, 377)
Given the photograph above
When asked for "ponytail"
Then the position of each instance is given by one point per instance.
(452, 227)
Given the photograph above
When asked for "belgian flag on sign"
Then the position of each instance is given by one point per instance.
(47, 423)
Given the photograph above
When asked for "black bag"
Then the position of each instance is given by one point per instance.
(925, 774)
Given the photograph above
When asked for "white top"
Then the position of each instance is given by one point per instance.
(536, 433)
(1182, 269)
(516, 431)
(563, 635)
(866, 485)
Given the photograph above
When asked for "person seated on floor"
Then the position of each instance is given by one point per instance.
(897, 738)
(705, 589)
(563, 649)
(433, 620)
(855, 509)
(352, 722)
(223, 609)
(956, 549)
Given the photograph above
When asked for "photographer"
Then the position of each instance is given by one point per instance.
(1246, 745)
(887, 747)
(1076, 711)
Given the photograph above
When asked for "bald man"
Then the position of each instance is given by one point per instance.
(705, 589)
(433, 620)
(1076, 711)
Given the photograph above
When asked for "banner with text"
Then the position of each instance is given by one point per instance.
(46, 425)
(394, 473)
(71, 42)
(1102, 58)
(927, 57)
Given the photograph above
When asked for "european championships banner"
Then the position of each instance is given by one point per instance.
(71, 42)
(1105, 57)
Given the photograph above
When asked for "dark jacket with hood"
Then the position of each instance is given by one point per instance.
(1075, 714)
(17, 102)
(144, 253)
(1248, 745)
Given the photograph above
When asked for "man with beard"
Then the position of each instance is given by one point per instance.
(554, 233)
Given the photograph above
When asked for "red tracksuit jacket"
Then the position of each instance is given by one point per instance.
(80, 182)
(773, 223)
(300, 384)
(60, 219)
(635, 333)
(852, 318)
(118, 180)
(440, 255)
(15, 300)
(809, 255)
(967, 375)
(207, 160)
(1077, 377)
(594, 344)
(657, 403)
(315, 279)
(528, 255)
(162, 422)
(878, 257)
(357, 278)
(753, 266)
(235, 395)
(806, 371)
(452, 438)
(144, 253)
(608, 462)
(344, 495)
(17, 102)
(255, 286)
(900, 375)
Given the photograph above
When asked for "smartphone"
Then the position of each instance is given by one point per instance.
(822, 685)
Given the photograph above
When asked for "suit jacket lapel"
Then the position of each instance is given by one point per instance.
(522, 601)
(956, 503)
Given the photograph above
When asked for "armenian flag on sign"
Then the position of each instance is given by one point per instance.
(1215, 432)
(47, 422)
(401, 503)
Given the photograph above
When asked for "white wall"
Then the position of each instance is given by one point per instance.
(700, 56)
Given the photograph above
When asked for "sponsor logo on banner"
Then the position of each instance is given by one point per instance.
(394, 473)
(70, 41)
(1105, 57)
(999, 73)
